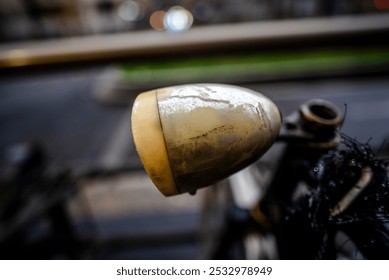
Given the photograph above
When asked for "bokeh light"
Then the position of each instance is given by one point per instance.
(178, 19)
(382, 4)
(156, 20)
(130, 10)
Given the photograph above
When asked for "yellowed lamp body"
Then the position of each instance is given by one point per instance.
(191, 136)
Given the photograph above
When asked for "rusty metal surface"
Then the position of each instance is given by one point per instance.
(210, 131)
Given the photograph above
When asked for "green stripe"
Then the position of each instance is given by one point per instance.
(227, 67)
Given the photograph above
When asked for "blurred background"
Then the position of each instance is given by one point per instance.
(71, 183)
(37, 19)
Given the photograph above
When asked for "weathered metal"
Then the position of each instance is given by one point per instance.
(191, 136)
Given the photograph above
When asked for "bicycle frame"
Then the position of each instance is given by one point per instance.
(257, 213)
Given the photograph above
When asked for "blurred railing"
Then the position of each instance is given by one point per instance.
(302, 32)
(34, 19)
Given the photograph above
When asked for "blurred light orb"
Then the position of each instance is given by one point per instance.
(157, 20)
(381, 4)
(178, 19)
(130, 10)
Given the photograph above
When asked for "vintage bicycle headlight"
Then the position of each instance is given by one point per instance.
(191, 136)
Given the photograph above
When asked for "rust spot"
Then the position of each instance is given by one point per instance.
(223, 128)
